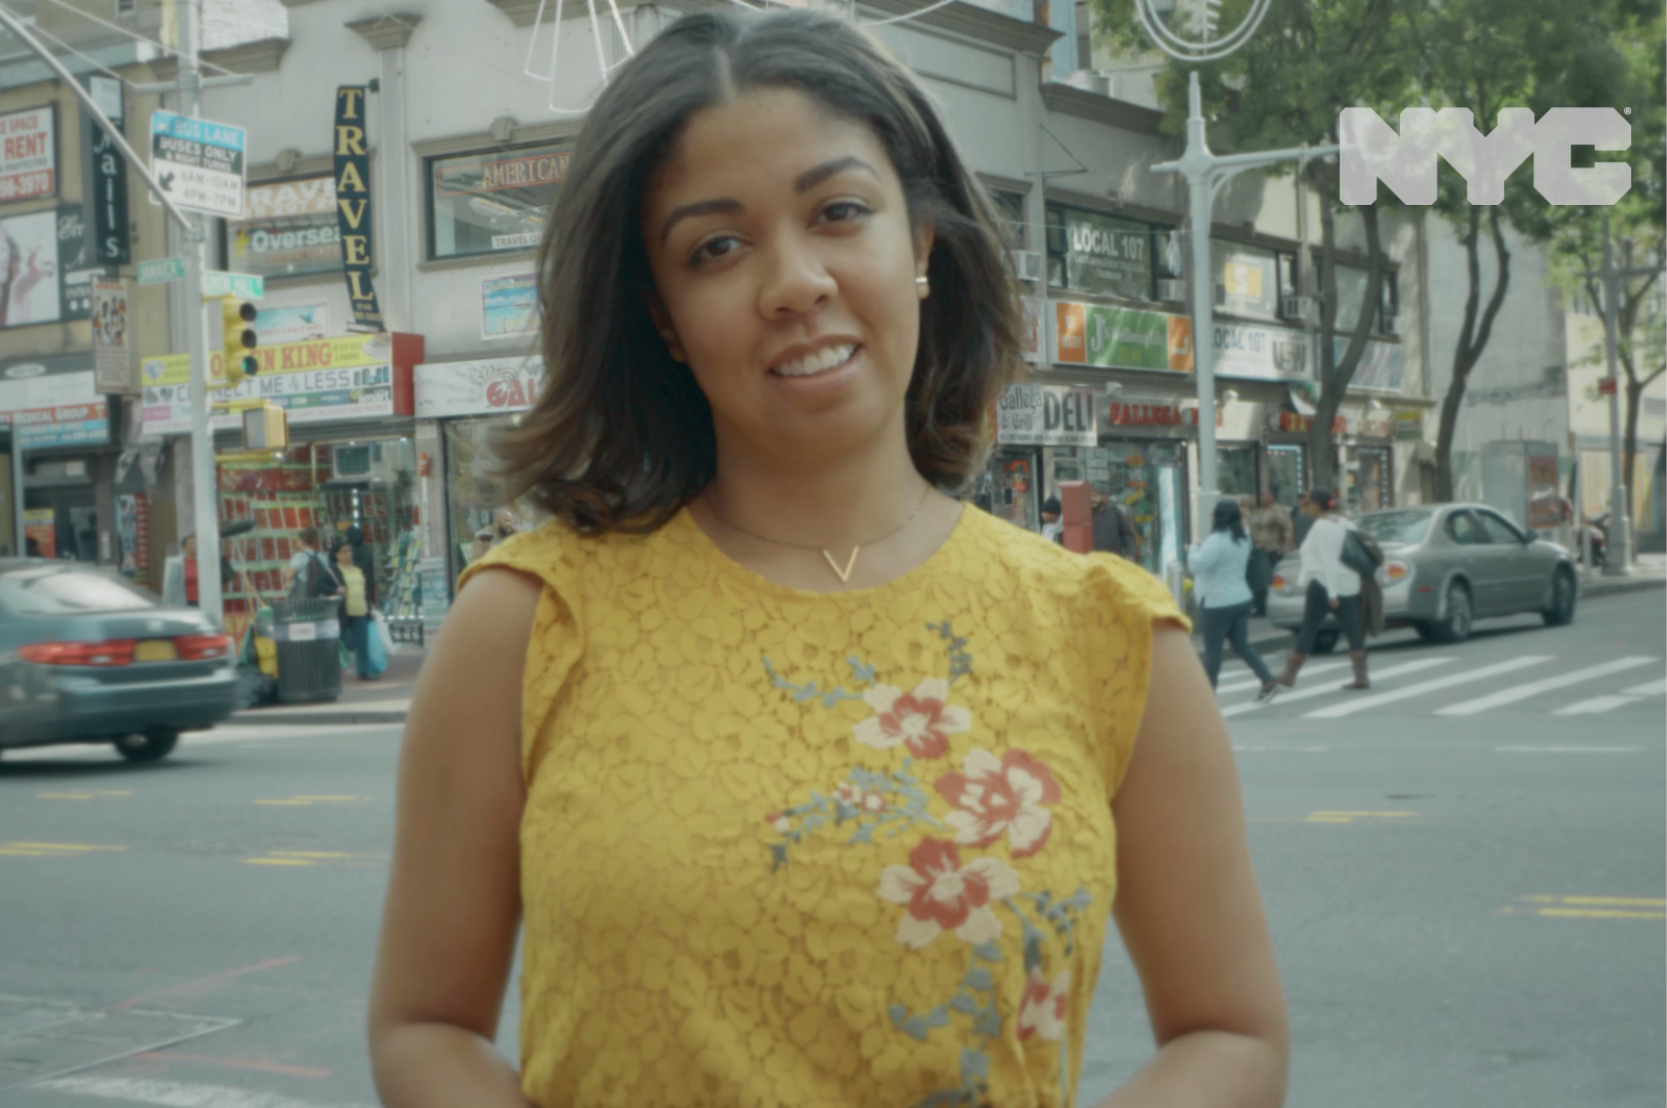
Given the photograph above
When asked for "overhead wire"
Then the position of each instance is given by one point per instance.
(137, 37)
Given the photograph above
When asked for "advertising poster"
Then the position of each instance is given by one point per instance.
(28, 154)
(1261, 353)
(56, 409)
(133, 532)
(340, 378)
(478, 387)
(76, 267)
(291, 230)
(112, 366)
(40, 533)
(1105, 254)
(509, 306)
(292, 323)
(29, 269)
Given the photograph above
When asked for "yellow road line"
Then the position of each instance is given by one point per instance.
(1630, 901)
(1597, 913)
(1329, 819)
(330, 798)
(308, 854)
(64, 796)
(276, 862)
(72, 848)
(9, 852)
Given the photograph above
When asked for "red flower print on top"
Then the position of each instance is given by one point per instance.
(995, 798)
(922, 719)
(943, 895)
(1043, 1011)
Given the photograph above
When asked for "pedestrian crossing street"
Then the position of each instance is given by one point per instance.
(1448, 685)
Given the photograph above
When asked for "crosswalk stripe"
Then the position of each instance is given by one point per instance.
(1595, 705)
(1533, 688)
(1360, 704)
(1328, 688)
(1648, 688)
(1256, 682)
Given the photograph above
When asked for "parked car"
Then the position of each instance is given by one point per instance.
(1446, 566)
(86, 657)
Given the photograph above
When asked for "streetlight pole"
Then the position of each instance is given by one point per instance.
(1205, 174)
(204, 487)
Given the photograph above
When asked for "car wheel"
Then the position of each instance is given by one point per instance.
(1325, 642)
(1460, 616)
(151, 746)
(1561, 612)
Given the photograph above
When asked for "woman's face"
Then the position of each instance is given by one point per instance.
(344, 555)
(779, 241)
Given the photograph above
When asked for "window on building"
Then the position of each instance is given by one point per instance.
(1351, 292)
(1010, 207)
(290, 231)
(492, 201)
(1102, 254)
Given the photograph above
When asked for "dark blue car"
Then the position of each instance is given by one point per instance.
(87, 658)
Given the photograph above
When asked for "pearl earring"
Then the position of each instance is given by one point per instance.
(923, 287)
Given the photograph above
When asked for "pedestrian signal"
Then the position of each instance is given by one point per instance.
(237, 318)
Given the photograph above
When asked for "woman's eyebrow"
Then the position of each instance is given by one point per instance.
(806, 181)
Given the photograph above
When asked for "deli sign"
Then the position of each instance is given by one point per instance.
(1047, 415)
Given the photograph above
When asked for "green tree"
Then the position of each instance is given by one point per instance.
(1285, 87)
(1485, 55)
(1637, 228)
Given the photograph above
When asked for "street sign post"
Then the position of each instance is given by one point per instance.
(244, 286)
(199, 163)
(160, 271)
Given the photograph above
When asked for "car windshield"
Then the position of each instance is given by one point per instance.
(1399, 527)
(62, 590)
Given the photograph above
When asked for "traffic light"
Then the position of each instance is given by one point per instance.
(237, 318)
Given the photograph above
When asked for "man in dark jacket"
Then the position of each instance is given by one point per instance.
(1113, 529)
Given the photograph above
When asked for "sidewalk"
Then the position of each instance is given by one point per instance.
(388, 699)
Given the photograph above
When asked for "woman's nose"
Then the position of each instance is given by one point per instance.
(796, 280)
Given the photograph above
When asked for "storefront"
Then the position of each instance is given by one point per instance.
(472, 402)
(351, 462)
(59, 446)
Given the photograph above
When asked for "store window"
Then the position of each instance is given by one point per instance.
(492, 201)
(1236, 471)
(480, 510)
(1010, 208)
(1104, 254)
(1011, 488)
(331, 486)
(1149, 479)
(290, 231)
(1368, 482)
(1285, 473)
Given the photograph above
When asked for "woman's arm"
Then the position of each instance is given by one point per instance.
(1188, 907)
(453, 904)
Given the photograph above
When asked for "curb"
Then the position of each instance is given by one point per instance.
(324, 717)
(1604, 586)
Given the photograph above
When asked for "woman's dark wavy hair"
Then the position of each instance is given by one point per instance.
(622, 436)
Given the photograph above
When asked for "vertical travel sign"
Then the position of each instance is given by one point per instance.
(353, 209)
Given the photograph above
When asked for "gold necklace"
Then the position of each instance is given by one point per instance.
(850, 563)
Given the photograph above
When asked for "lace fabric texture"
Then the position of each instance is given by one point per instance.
(805, 849)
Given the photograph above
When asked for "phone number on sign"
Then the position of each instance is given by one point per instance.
(21, 185)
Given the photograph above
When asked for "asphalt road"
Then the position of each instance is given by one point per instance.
(1466, 887)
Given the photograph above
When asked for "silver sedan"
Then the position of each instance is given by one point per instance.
(1446, 566)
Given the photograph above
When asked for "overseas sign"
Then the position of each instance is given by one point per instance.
(199, 164)
(331, 379)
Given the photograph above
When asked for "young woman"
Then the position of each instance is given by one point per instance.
(1332, 587)
(347, 581)
(799, 779)
(1224, 597)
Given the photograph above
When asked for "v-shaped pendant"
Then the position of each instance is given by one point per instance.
(844, 574)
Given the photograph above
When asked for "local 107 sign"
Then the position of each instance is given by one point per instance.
(1372, 151)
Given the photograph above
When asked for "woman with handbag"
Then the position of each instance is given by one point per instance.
(1332, 585)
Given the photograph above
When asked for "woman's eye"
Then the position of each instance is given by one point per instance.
(713, 249)
(844, 211)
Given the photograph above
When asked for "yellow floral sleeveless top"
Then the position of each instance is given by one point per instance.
(803, 849)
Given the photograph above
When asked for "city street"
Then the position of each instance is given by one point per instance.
(1463, 867)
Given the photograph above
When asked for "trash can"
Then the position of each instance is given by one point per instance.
(308, 639)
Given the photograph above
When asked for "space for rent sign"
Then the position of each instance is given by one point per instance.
(28, 154)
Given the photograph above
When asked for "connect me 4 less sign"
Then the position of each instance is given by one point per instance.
(328, 379)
